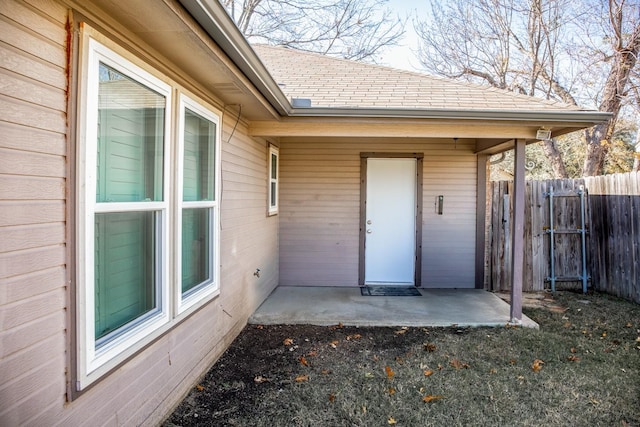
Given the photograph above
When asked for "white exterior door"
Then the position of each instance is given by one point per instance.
(390, 221)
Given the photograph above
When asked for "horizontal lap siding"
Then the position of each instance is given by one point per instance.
(146, 387)
(448, 250)
(32, 209)
(33, 264)
(320, 211)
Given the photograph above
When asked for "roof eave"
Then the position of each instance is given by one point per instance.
(213, 18)
(586, 117)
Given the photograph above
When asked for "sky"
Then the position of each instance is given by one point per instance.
(404, 55)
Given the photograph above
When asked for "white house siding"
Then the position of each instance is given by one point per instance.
(320, 210)
(35, 269)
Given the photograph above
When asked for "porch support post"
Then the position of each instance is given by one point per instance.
(517, 254)
(481, 219)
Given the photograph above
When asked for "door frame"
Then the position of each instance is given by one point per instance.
(363, 210)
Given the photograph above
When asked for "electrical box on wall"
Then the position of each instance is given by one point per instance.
(439, 204)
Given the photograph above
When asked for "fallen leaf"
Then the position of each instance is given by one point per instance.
(458, 364)
(368, 375)
(401, 331)
(537, 365)
(334, 343)
(594, 401)
(325, 371)
(391, 421)
(375, 358)
(567, 324)
(288, 341)
(493, 371)
(392, 391)
(364, 409)
(338, 326)
(430, 347)
(199, 387)
(428, 373)
(260, 379)
(638, 339)
(573, 358)
(259, 326)
(389, 372)
(353, 337)
(440, 367)
(332, 397)
(512, 361)
(430, 398)
(312, 353)
(628, 325)
(573, 350)
(303, 361)
(604, 334)
(302, 378)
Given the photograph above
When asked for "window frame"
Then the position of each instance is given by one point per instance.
(94, 360)
(273, 183)
(208, 290)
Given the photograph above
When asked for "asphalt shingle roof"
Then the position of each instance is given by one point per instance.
(332, 82)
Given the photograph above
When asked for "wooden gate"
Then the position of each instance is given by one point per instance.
(612, 215)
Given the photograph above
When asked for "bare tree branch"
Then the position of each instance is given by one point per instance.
(576, 51)
(349, 29)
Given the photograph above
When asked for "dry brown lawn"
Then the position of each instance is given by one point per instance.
(581, 368)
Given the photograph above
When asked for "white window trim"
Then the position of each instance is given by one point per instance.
(273, 209)
(207, 291)
(93, 364)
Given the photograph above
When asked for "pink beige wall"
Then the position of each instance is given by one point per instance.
(35, 266)
(320, 208)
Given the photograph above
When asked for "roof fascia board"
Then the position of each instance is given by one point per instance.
(212, 16)
(590, 117)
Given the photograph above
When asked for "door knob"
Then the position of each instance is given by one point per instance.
(369, 222)
(369, 231)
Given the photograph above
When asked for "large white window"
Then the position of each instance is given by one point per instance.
(135, 276)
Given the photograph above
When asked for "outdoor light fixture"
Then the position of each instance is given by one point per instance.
(543, 134)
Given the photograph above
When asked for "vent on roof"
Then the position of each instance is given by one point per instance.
(228, 88)
(301, 102)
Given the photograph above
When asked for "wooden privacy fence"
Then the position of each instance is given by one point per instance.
(612, 239)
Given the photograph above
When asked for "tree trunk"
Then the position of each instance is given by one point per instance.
(597, 140)
(555, 157)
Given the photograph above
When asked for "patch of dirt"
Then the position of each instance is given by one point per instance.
(264, 360)
(543, 300)
(581, 368)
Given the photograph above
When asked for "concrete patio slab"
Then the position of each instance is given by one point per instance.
(333, 305)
